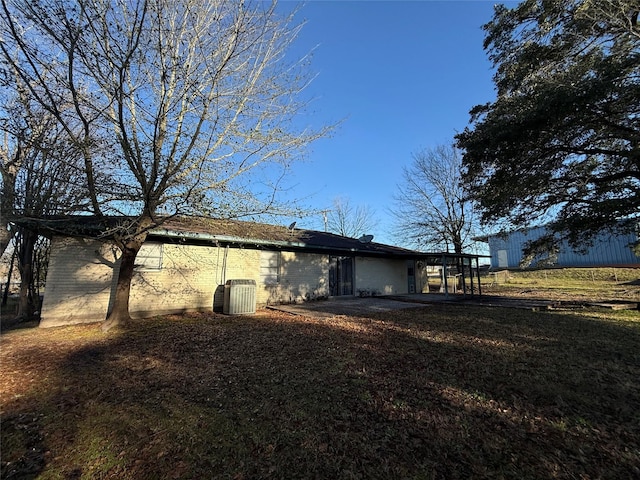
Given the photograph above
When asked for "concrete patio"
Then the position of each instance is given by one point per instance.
(354, 306)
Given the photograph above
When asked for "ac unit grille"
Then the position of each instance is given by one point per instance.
(239, 297)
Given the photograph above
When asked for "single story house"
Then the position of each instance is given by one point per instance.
(185, 263)
(606, 250)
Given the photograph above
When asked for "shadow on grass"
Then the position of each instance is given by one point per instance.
(437, 392)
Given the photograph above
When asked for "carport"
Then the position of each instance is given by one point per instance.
(464, 265)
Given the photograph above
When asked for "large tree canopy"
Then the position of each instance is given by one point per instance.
(561, 143)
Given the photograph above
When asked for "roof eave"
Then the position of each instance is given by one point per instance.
(279, 244)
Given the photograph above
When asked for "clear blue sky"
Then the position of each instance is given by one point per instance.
(403, 75)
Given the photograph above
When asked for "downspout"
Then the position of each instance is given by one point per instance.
(444, 276)
(224, 265)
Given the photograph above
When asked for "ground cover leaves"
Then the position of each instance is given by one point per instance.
(437, 392)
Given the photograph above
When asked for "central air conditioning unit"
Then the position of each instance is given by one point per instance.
(239, 297)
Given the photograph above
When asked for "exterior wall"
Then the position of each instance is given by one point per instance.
(79, 282)
(186, 282)
(81, 279)
(303, 277)
(380, 276)
(607, 250)
(234, 264)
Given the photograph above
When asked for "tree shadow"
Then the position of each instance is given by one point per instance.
(423, 393)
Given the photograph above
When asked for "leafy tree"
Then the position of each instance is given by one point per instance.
(561, 143)
(198, 96)
(348, 220)
(430, 206)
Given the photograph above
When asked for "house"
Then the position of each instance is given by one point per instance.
(607, 249)
(185, 263)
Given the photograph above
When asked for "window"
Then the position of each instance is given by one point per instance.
(270, 268)
(149, 257)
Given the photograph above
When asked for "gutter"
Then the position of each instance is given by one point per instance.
(222, 238)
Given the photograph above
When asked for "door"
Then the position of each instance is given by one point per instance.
(340, 276)
(503, 261)
(411, 276)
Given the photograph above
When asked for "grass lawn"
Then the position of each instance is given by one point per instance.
(437, 392)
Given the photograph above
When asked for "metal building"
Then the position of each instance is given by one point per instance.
(607, 250)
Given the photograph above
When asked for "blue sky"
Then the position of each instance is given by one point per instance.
(403, 76)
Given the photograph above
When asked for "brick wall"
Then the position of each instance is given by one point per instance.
(80, 280)
(376, 276)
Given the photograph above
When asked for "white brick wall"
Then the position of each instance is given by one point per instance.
(186, 282)
(79, 282)
(80, 279)
(192, 278)
(303, 277)
(380, 276)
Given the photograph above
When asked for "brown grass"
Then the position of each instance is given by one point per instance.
(435, 392)
(571, 284)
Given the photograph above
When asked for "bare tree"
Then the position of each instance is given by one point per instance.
(198, 94)
(22, 132)
(348, 220)
(430, 206)
(39, 178)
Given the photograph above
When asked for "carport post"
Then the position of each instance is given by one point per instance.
(470, 273)
(478, 272)
(444, 276)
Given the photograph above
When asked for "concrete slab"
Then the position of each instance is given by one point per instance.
(361, 306)
(351, 306)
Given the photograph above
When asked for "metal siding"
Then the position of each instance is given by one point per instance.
(607, 249)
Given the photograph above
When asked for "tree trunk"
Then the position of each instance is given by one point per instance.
(9, 173)
(5, 237)
(130, 244)
(7, 288)
(26, 305)
(119, 313)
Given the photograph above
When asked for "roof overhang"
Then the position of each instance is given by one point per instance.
(251, 235)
